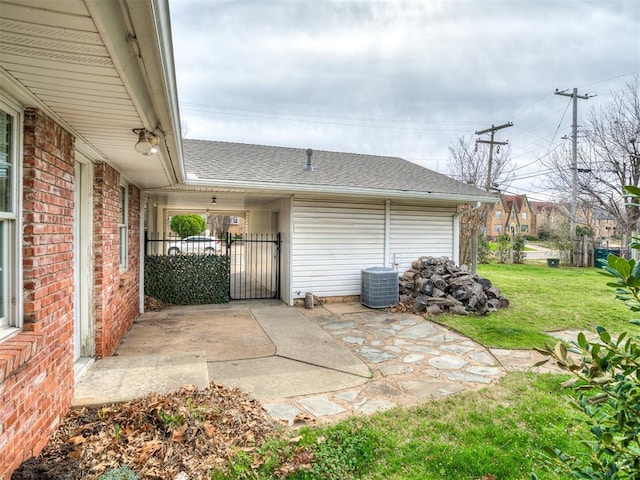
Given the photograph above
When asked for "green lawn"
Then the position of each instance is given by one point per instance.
(496, 433)
(543, 299)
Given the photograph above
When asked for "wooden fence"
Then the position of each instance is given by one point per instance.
(583, 252)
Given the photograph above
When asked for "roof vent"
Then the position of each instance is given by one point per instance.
(309, 166)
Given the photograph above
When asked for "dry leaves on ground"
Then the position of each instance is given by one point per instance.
(158, 436)
(152, 304)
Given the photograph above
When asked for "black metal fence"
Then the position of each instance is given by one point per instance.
(254, 266)
(253, 260)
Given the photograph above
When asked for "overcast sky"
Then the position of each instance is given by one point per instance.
(399, 78)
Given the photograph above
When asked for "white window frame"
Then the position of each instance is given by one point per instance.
(524, 215)
(498, 213)
(11, 321)
(123, 228)
(234, 221)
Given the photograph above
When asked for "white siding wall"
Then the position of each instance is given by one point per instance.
(331, 243)
(419, 231)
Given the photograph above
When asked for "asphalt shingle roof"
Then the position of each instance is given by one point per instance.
(214, 160)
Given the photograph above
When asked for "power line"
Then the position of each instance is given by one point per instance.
(275, 114)
(610, 79)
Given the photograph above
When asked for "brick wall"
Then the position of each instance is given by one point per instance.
(36, 366)
(116, 292)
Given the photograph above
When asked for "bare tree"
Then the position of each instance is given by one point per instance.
(219, 225)
(608, 158)
(469, 163)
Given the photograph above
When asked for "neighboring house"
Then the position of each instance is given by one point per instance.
(345, 213)
(605, 226)
(511, 214)
(549, 216)
(76, 76)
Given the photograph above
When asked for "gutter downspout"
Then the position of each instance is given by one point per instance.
(387, 231)
(456, 239)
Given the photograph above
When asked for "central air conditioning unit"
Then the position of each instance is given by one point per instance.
(379, 287)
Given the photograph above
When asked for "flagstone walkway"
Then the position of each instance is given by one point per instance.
(411, 360)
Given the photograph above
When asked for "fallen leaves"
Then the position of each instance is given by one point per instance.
(160, 436)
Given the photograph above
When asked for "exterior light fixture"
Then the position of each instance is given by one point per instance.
(147, 141)
(214, 200)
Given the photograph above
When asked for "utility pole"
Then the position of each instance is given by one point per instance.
(491, 143)
(574, 155)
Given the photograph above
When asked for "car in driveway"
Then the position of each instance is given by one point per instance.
(194, 245)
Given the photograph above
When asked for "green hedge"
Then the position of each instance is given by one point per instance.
(187, 279)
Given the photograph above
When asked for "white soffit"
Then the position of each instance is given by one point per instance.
(54, 50)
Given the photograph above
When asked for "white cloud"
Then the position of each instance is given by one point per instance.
(399, 78)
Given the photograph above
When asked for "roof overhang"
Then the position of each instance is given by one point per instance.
(292, 189)
(99, 68)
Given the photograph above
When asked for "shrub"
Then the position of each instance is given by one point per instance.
(504, 248)
(484, 250)
(187, 225)
(518, 250)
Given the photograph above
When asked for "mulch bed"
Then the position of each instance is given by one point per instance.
(158, 436)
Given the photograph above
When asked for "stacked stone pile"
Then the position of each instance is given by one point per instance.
(436, 285)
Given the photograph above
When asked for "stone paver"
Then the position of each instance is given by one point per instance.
(286, 413)
(321, 406)
(412, 360)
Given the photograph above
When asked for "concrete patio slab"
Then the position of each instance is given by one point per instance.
(272, 378)
(298, 338)
(321, 364)
(123, 378)
(223, 334)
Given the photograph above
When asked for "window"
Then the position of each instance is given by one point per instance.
(9, 275)
(234, 221)
(524, 215)
(498, 213)
(524, 228)
(498, 228)
(124, 243)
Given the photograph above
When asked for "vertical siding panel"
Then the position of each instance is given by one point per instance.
(418, 231)
(332, 242)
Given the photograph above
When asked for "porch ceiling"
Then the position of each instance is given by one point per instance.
(187, 199)
(96, 71)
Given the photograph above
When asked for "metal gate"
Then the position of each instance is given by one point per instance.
(253, 262)
(254, 266)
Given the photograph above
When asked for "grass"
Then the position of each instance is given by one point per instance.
(496, 433)
(542, 300)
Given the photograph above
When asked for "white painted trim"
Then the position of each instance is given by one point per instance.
(456, 238)
(15, 290)
(387, 231)
(143, 200)
(287, 188)
(84, 261)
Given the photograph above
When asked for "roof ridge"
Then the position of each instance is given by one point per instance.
(303, 149)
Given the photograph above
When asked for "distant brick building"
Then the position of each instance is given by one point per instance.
(512, 214)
